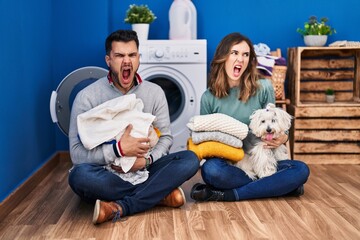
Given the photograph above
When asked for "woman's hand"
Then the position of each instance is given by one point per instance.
(276, 142)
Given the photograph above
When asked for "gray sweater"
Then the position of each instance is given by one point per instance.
(101, 91)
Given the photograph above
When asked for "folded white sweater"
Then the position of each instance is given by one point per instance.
(218, 122)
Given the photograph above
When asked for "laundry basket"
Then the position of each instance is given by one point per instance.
(278, 77)
(278, 80)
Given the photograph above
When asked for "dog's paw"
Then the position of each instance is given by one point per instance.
(251, 175)
(266, 174)
(246, 165)
(281, 153)
(267, 171)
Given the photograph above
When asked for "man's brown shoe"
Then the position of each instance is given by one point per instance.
(105, 211)
(175, 199)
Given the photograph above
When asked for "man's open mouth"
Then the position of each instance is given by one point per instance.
(126, 74)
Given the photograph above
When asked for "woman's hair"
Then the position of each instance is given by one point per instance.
(120, 36)
(218, 84)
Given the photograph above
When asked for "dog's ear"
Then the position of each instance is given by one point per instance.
(254, 114)
(284, 118)
(255, 120)
(269, 106)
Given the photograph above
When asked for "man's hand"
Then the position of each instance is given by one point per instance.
(139, 164)
(276, 142)
(131, 146)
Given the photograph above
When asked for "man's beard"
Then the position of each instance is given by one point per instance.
(115, 78)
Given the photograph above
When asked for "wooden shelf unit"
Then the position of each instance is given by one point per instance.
(325, 132)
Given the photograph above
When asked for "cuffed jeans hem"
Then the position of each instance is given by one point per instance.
(124, 210)
(237, 198)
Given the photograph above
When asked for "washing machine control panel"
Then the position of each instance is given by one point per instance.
(173, 51)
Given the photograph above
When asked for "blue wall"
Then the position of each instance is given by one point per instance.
(27, 134)
(42, 41)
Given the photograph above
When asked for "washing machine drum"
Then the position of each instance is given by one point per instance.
(61, 100)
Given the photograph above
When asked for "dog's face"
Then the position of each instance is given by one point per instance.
(270, 122)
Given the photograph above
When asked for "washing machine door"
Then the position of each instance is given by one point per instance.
(180, 96)
(61, 100)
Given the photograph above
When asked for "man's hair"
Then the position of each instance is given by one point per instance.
(120, 36)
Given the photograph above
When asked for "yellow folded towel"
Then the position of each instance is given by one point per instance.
(215, 149)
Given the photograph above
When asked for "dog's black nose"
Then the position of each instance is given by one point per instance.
(268, 130)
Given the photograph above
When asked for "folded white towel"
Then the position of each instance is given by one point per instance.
(108, 121)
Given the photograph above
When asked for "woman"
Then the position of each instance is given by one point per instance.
(235, 90)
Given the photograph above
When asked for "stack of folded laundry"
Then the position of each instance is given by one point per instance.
(266, 61)
(217, 135)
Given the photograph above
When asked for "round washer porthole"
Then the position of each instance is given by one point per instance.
(61, 100)
(174, 94)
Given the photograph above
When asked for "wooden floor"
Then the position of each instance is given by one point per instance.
(330, 209)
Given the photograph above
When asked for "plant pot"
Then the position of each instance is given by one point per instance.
(315, 40)
(142, 30)
(330, 98)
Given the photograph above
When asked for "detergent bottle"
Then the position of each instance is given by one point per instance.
(182, 19)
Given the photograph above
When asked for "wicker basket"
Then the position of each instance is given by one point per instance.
(278, 77)
(278, 80)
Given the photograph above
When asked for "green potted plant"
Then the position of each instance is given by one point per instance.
(316, 32)
(140, 17)
(330, 95)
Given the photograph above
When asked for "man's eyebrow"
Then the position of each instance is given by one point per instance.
(122, 53)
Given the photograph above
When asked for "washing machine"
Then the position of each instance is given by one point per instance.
(179, 68)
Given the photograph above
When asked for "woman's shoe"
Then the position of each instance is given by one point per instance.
(202, 192)
(297, 192)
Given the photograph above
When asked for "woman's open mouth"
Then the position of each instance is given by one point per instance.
(237, 70)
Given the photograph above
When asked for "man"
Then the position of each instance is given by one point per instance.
(115, 198)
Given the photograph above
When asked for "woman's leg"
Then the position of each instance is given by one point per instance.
(220, 178)
(219, 175)
(291, 174)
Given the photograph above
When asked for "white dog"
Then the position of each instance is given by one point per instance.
(267, 123)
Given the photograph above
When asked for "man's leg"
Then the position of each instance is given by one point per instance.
(166, 174)
(92, 182)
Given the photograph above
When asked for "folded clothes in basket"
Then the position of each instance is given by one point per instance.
(266, 61)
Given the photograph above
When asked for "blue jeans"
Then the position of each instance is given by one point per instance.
(290, 175)
(92, 181)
